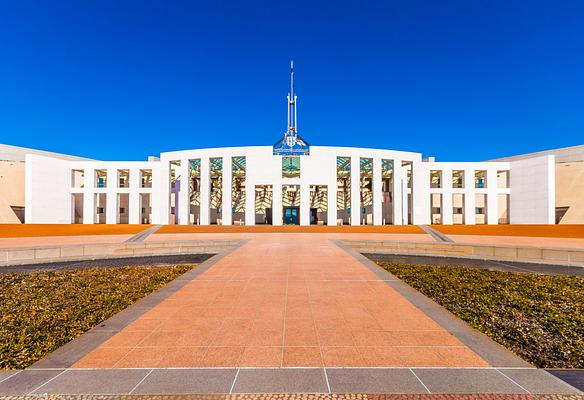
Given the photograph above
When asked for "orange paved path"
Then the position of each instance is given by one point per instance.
(552, 231)
(35, 230)
(284, 301)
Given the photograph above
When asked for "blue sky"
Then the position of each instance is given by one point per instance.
(460, 80)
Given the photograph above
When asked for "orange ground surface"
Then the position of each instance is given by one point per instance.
(289, 229)
(308, 303)
(18, 230)
(558, 231)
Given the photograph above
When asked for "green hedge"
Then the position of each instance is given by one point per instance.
(42, 311)
(539, 317)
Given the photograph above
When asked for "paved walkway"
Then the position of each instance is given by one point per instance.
(284, 303)
(283, 314)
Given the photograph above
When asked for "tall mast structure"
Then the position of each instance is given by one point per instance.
(291, 143)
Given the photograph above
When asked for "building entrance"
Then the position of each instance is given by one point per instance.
(291, 215)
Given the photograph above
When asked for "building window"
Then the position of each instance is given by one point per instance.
(343, 190)
(101, 178)
(77, 178)
(290, 167)
(238, 166)
(458, 179)
(480, 179)
(435, 179)
(123, 178)
(146, 178)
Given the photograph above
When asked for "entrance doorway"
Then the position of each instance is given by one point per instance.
(291, 215)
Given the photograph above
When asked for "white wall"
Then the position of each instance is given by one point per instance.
(533, 191)
(48, 186)
(47, 193)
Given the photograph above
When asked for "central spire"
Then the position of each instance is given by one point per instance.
(291, 143)
(292, 102)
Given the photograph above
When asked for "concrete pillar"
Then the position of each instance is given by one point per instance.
(469, 197)
(111, 211)
(227, 212)
(332, 203)
(447, 197)
(205, 191)
(398, 178)
(377, 194)
(492, 200)
(277, 208)
(183, 197)
(304, 204)
(421, 214)
(249, 201)
(355, 191)
(89, 197)
(134, 206)
(161, 193)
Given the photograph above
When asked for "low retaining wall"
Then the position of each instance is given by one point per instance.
(556, 256)
(77, 252)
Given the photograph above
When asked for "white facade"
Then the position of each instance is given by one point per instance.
(183, 189)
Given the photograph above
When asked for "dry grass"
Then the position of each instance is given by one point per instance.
(41, 311)
(539, 317)
(552, 231)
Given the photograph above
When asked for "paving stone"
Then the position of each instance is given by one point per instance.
(184, 381)
(105, 381)
(539, 381)
(27, 381)
(455, 380)
(373, 380)
(295, 380)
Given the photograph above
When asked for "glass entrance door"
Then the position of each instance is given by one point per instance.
(291, 215)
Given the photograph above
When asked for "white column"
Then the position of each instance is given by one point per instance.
(227, 212)
(249, 201)
(355, 191)
(405, 205)
(161, 193)
(183, 194)
(377, 194)
(205, 191)
(421, 214)
(332, 203)
(447, 217)
(492, 200)
(134, 205)
(304, 204)
(277, 217)
(111, 216)
(469, 197)
(89, 197)
(398, 177)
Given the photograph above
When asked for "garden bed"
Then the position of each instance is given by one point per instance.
(539, 317)
(41, 311)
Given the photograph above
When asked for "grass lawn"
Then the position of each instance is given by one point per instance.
(539, 317)
(42, 311)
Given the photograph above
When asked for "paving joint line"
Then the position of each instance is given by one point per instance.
(44, 383)
(234, 380)
(419, 380)
(141, 380)
(328, 386)
(11, 376)
(512, 380)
